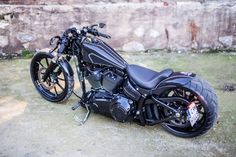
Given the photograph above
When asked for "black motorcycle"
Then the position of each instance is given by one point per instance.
(181, 102)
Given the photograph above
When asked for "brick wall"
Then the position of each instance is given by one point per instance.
(133, 24)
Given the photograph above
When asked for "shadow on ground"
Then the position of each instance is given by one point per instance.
(33, 127)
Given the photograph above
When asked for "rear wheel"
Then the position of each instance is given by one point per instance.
(199, 94)
(58, 87)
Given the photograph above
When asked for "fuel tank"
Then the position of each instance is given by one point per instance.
(96, 51)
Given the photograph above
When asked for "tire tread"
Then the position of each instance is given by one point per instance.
(206, 92)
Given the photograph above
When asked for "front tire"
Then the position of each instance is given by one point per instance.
(58, 87)
(200, 91)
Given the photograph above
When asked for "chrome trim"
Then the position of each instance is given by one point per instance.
(89, 55)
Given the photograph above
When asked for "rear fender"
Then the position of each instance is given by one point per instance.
(177, 79)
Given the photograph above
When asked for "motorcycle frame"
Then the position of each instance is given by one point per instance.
(174, 81)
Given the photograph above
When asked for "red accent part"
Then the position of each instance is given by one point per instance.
(191, 105)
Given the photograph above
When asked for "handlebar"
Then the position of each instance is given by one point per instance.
(104, 35)
(95, 32)
(72, 33)
(91, 30)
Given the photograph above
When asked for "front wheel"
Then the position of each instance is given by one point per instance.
(200, 95)
(58, 87)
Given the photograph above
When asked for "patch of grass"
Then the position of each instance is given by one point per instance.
(27, 54)
(212, 51)
(229, 50)
(217, 68)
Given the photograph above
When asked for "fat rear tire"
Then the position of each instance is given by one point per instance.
(203, 90)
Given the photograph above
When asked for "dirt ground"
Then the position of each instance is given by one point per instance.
(32, 127)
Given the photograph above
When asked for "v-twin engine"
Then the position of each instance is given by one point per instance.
(112, 105)
(104, 97)
(105, 79)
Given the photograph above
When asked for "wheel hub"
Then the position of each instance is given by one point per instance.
(177, 115)
(49, 83)
(180, 118)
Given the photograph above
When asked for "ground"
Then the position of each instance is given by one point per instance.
(32, 127)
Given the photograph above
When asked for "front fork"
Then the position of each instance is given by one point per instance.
(53, 65)
(80, 71)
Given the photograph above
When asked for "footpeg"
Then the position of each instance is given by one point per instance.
(75, 106)
(77, 119)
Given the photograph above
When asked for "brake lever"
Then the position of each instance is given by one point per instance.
(94, 25)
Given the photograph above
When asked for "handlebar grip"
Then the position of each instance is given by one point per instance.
(104, 35)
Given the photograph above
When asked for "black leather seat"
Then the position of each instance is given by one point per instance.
(146, 78)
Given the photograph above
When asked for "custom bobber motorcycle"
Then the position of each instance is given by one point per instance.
(181, 102)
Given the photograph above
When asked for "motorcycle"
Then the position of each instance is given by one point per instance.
(184, 104)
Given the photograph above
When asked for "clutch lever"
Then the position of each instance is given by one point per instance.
(103, 35)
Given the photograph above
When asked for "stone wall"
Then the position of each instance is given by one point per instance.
(133, 24)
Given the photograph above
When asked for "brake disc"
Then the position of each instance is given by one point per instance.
(48, 84)
(179, 122)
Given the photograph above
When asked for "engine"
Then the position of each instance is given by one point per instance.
(116, 106)
(104, 79)
(105, 97)
(121, 109)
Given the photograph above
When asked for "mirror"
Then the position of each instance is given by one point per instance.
(54, 40)
(101, 25)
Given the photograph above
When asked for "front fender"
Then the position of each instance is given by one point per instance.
(64, 64)
(176, 80)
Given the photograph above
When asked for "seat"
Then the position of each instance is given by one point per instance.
(146, 78)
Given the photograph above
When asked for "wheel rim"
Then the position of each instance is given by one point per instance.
(55, 85)
(182, 125)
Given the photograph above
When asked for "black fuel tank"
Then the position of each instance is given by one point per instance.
(98, 52)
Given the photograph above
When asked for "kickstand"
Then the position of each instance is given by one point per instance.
(81, 122)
